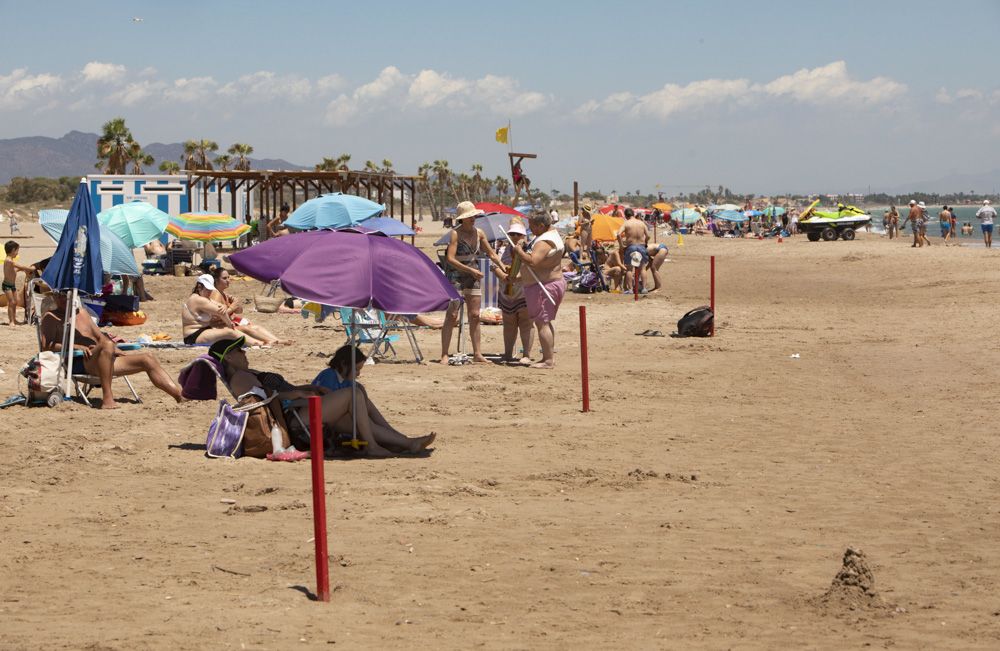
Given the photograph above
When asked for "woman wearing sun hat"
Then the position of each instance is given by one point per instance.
(466, 244)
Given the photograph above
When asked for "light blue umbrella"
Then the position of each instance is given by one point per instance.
(685, 215)
(116, 257)
(335, 210)
(388, 226)
(731, 216)
(136, 222)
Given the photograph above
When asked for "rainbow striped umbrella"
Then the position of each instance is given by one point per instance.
(206, 227)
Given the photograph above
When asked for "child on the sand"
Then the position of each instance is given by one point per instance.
(10, 269)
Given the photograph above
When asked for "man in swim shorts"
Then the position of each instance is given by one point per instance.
(633, 238)
(986, 215)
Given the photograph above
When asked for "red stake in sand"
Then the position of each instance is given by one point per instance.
(635, 285)
(584, 370)
(319, 499)
(712, 299)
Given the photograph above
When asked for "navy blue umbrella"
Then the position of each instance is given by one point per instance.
(76, 267)
(76, 263)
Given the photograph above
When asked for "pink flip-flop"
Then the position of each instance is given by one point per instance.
(292, 455)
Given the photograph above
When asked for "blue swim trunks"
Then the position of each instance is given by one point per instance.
(987, 228)
(632, 248)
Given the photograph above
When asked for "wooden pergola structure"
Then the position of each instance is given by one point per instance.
(277, 187)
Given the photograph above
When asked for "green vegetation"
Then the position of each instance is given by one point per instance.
(23, 190)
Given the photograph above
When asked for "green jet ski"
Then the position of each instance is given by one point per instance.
(828, 225)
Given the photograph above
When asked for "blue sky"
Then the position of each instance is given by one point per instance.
(761, 97)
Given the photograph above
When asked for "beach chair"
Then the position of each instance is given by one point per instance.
(370, 328)
(83, 383)
(590, 265)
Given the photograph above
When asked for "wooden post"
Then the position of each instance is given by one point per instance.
(576, 198)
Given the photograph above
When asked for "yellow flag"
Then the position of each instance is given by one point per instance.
(502, 135)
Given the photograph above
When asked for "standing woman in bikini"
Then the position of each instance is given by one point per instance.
(203, 321)
(235, 310)
(464, 247)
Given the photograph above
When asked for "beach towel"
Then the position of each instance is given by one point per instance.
(198, 378)
(490, 284)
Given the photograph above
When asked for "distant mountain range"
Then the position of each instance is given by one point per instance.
(75, 154)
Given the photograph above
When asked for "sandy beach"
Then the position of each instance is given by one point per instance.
(705, 502)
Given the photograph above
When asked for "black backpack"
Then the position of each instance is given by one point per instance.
(696, 323)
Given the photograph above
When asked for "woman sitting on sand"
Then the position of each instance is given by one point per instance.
(336, 405)
(341, 377)
(234, 310)
(203, 321)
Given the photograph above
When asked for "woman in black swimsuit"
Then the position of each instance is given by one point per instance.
(203, 321)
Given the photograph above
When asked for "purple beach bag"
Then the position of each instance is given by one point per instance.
(225, 434)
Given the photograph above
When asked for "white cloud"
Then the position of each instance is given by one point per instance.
(330, 83)
(831, 82)
(191, 90)
(809, 85)
(136, 92)
(267, 86)
(95, 71)
(431, 89)
(19, 88)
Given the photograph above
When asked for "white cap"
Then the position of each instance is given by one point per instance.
(517, 227)
(206, 280)
(922, 204)
(913, 202)
(986, 202)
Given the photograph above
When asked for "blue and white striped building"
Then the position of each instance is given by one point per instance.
(166, 192)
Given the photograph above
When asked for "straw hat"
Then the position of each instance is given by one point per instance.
(587, 208)
(467, 209)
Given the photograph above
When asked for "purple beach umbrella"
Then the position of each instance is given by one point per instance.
(353, 270)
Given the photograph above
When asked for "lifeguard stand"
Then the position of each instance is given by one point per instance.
(521, 181)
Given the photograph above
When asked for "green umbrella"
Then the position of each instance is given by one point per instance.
(136, 223)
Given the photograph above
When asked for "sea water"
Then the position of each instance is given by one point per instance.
(963, 214)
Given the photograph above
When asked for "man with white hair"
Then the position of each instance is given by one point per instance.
(915, 217)
(923, 224)
(986, 215)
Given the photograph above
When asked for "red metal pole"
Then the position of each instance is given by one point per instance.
(713, 296)
(319, 499)
(584, 370)
(635, 283)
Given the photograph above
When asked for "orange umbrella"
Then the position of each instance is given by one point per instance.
(663, 207)
(605, 227)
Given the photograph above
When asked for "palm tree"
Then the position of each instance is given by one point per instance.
(387, 167)
(464, 181)
(370, 166)
(425, 188)
(138, 158)
(477, 184)
(242, 152)
(170, 167)
(223, 161)
(443, 175)
(113, 146)
(190, 160)
(203, 150)
(502, 185)
(334, 164)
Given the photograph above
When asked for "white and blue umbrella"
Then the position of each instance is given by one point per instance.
(116, 257)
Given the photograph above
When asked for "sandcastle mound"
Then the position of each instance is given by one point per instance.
(854, 586)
